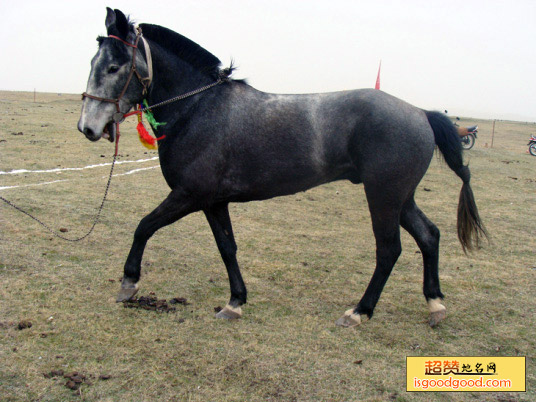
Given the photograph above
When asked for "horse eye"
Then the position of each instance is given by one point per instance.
(113, 69)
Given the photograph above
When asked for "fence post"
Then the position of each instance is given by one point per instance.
(493, 133)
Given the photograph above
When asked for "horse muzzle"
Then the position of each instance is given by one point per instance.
(108, 132)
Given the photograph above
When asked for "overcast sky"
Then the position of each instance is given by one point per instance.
(473, 57)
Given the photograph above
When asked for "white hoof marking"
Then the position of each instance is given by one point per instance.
(230, 313)
(434, 305)
(349, 319)
(127, 292)
(438, 312)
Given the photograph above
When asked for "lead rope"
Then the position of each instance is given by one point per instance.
(97, 217)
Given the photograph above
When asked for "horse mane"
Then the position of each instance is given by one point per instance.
(184, 48)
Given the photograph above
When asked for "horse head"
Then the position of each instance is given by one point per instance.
(110, 88)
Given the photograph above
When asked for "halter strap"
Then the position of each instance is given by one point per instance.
(145, 81)
(149, 60)
(132, 68)
(121, 40)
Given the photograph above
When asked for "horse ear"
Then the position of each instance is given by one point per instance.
(116, 23)
(110, 19)
(121, 23)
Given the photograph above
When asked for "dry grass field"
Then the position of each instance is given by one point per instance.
(305, 258)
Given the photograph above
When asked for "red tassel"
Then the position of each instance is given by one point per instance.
(145, 137)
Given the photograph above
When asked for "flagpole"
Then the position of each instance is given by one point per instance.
(378, 77)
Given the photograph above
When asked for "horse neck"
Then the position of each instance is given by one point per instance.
(173, 77)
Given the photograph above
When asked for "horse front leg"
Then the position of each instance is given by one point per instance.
(220, 223)
(174, 207)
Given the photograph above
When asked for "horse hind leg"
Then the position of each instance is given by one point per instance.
(426, 234)
(386, 227)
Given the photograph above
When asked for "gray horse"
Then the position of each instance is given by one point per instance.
(224, 142)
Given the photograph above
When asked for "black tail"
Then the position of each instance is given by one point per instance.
(470, 227)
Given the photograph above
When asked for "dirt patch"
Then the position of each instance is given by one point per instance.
(179, 300)
(154, 304)
(75, 379)
(24, 324)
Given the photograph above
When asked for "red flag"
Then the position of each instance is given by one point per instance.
(378, 78)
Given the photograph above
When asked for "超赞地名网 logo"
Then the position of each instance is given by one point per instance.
(476, 373)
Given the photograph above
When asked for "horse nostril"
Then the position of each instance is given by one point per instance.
(89, 132)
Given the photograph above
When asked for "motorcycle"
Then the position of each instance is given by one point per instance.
(467, 136)
(532, 145)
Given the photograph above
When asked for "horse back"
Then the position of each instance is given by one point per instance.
(254, 145)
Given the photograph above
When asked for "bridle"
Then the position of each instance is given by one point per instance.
(118, 117)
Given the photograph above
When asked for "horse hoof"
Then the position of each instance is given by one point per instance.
(437, 317)
(438, 312)
(230, 313)
(349, 319)
(127, 292)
